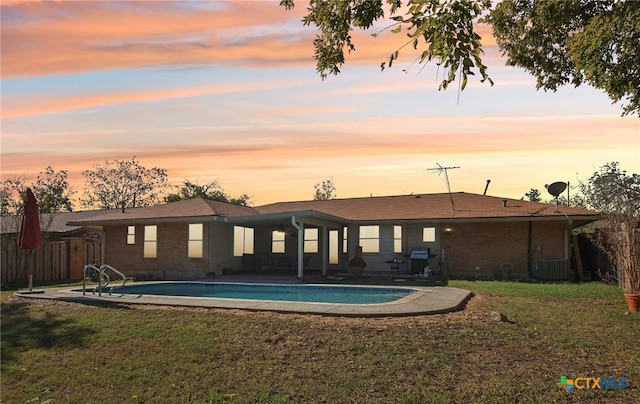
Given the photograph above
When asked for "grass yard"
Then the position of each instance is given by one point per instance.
(60, 352)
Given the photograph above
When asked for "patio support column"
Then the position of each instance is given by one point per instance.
(299, 228)
(325, 249)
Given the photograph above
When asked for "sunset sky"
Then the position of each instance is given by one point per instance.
(228, 91)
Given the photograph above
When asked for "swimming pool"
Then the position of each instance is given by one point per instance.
(273, 292)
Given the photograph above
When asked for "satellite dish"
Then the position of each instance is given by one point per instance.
(557, 188)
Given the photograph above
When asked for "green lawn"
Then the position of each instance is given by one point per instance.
(59, 352)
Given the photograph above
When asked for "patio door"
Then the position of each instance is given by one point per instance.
(334, 247)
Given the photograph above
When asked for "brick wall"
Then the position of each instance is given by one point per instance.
(76, 258)
(478, 250)
(171, 261)
(469, 250)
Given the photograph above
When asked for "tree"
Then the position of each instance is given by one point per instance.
(445, 29)
(242, 200)
(577, 200)
(574, 41)
(558, 41)
(53, 192)
(325, 190)
(190, 190)
(12, 193)
(123, 184)
(211, 190)
(616, 196)
(533, 195)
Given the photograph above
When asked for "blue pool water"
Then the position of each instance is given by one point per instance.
(293, 293)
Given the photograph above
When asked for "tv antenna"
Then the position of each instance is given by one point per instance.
(440, 170)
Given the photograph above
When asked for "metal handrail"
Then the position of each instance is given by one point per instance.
(101, 272)
(100, 285)
(104, 267)
(98, 272)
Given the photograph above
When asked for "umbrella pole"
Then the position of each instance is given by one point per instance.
(30, 271)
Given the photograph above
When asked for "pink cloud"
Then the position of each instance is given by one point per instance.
(72, 37)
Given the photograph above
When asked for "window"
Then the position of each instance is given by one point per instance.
(429, 234)
(277, 242)
(150, 249)
(131, 234)
(311, 240)
(196, 242)
(397, 239)
(334, 245)
(242, 240)
(370, 239)
(344, 240)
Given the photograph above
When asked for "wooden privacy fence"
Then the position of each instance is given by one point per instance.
(55, 261)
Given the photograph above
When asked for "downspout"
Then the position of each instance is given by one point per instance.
(567, 232)
(103, 246)
(566, 235)
(300, 244)
(529, 252)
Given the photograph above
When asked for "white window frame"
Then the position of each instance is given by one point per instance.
(311, 237)
(242, 240)
(278, 242)
(150, 247)
(345, 243)
(397, 239)
(131, 235)
(369, 238)
(195, 243)
(429, 234)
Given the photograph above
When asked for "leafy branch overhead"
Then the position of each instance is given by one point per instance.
(559, 42)
(444, 29)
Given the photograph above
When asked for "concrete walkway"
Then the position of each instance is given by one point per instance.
(427, 300)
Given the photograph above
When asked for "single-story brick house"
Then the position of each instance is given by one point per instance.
(467, 235)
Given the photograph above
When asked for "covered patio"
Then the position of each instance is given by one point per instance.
(296, 240)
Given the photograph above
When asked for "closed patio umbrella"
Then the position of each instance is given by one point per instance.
(30, 237)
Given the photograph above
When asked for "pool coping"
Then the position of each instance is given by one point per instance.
(428, 300)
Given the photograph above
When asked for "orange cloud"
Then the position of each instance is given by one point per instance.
(70, 37)
(517, 153)
(73, 37)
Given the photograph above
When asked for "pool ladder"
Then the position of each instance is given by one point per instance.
(101, 272)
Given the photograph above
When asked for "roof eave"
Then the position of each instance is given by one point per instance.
(580, 218)
(150, 220)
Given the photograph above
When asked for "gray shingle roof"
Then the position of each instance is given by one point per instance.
(198, 207)
(404, 207)
(428, 206)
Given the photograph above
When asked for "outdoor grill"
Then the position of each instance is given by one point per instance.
(419, 260)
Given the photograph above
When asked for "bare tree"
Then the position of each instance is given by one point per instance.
(123, 184)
